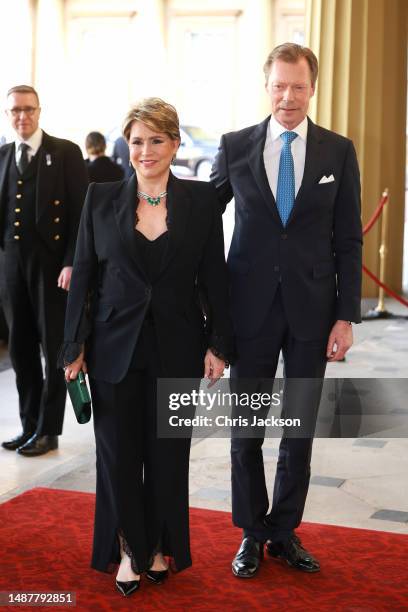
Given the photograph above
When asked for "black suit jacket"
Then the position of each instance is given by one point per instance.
(108, 263)
(316, 257)
(103, 170)
(62, 181)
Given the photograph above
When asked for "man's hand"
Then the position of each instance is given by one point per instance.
(340, 340)
(73, 369)
(213, 367)
(64, 278)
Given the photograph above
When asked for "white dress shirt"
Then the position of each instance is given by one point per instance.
(34, 143)
(272, 151)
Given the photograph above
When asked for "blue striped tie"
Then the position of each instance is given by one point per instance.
(285, 195)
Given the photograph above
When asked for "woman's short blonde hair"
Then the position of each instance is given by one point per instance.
(157, 114)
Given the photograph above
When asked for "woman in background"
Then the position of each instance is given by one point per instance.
(101, 169)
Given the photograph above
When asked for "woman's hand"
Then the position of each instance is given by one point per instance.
(73, 369)
(213, 367)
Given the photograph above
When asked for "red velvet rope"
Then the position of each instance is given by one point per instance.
(377, 213)
(367, 227)
(387, 289)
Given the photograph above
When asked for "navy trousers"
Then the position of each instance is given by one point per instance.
(258, 360)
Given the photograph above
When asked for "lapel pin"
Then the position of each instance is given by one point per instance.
(48, 159)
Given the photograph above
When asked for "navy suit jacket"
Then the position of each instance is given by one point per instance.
(316, 257)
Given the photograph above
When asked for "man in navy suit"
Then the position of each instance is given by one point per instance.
(295, 280)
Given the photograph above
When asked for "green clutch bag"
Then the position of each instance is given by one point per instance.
(80, 398)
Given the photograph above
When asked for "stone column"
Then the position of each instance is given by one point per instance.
(149, 50)
(49, 61)
(255, 33)
(361, 46)
(15, 45)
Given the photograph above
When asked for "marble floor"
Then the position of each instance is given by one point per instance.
(357, 482)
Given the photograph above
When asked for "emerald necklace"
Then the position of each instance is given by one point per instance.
(150, 199)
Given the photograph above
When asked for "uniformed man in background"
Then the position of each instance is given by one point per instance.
(43, 181)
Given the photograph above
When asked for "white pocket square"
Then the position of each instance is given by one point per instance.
(326, 179)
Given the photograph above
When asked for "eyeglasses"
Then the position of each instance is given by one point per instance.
(28, 110)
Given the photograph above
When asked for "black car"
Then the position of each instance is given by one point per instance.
(196, 152)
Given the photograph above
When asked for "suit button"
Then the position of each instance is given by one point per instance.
(19, 182)
(56, 237)
(276, 268)
(284, 236)
(56, 220)
(16, 223)
(148, 291)
(57, 202)
(19, 196)
(16, 237)
(17, 210)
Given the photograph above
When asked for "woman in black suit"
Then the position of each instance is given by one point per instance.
(147, 248)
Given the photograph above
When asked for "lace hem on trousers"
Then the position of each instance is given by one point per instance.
(128, 552)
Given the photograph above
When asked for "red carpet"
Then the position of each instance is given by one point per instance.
(45, 541)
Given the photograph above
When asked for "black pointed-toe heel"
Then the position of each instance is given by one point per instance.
(127, 588)
(157, 576)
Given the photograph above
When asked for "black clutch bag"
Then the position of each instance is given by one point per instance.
(80, 398)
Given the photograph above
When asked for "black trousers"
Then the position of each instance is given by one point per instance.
(258, 359)
(142, 480)
(34, 307)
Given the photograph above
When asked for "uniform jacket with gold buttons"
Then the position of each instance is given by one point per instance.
(60, 192)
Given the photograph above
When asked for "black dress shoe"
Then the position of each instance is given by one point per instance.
(248, 558)
(16, 442)
(157, 576)
(38, 445)
(127, 588)
(294, 554)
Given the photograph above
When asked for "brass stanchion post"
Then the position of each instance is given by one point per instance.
(380, 312)
(383, 255)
